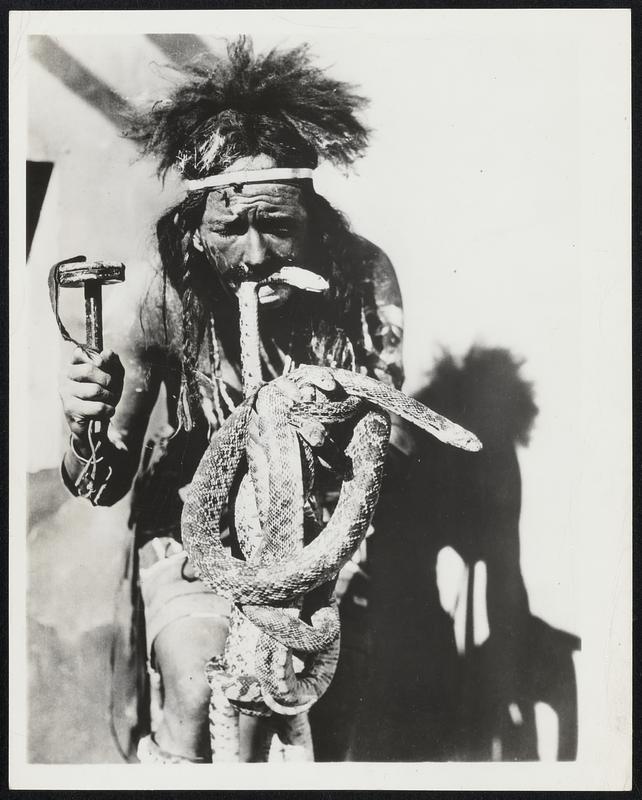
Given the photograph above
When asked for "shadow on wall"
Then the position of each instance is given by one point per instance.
(461, 670)
(445, 663)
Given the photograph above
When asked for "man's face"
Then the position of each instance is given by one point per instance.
(262, 225)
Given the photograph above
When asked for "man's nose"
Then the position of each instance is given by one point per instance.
(255, 251)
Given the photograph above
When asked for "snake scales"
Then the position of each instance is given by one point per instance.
(283, 644)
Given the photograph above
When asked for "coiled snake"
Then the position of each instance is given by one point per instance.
(283, 644)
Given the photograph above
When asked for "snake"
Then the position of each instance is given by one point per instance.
(283, 644)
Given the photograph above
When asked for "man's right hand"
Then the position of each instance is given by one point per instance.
(91, 389)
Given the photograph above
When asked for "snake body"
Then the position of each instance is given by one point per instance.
(283, 644)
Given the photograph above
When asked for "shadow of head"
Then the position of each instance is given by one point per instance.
(485, 393)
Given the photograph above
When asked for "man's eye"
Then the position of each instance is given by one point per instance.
(236, 228)
(278, 228)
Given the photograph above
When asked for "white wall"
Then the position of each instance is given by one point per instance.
(497, 183)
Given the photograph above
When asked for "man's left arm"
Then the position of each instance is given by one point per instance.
(383, 340)
(383, 309)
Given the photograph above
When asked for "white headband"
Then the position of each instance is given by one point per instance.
(251, 176)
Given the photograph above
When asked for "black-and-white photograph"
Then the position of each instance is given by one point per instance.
(320, 399)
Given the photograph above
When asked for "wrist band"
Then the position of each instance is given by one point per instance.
(79, 457)
(88, 484)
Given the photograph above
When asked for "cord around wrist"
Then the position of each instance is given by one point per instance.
(92, 479)
(80, 446)
(91, 456)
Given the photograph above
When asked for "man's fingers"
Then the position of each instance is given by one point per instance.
(312, 431)
(112, 363)
(80, 356)
(87, 373)
(92, 391)
(108, 361)
(88, 409)
(92, 388)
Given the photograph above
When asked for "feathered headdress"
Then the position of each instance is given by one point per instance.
(277, 104)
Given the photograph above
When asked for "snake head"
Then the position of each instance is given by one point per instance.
(302, 385)
(309, 378)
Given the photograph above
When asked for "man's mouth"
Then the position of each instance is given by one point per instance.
(278, 286)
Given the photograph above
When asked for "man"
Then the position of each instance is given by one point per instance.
(245, 132)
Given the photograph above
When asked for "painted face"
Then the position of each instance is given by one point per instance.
(263, 226)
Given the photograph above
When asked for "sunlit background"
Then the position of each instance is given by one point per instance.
(474, 185)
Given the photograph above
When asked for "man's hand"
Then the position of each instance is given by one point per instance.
(91, 390)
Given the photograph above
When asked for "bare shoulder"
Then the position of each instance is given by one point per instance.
(378, 269)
